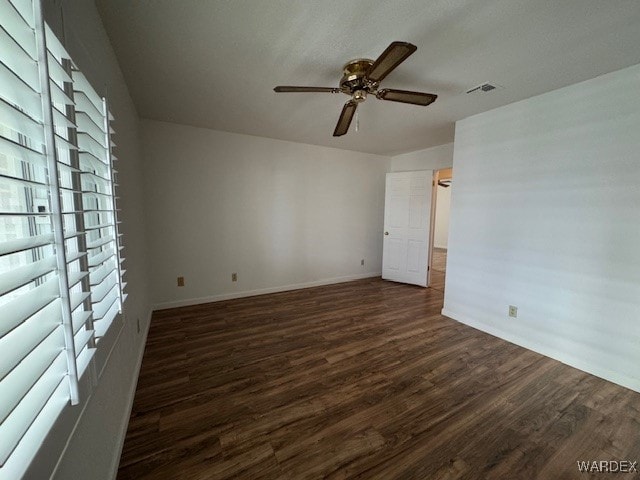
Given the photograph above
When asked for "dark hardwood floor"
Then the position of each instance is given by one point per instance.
(361, 380)
(438, 268)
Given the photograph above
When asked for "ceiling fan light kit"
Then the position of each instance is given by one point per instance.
(361, 77)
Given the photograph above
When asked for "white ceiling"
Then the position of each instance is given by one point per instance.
(214, 63)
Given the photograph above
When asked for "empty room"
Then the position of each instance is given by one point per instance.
(305, 240)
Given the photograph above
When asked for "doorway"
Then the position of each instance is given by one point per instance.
(405, 245)
(440, 213)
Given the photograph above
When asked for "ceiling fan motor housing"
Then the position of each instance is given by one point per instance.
(354, 82)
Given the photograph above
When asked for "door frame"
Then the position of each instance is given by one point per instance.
(442, 174)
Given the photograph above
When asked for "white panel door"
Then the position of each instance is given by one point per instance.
(407, 216)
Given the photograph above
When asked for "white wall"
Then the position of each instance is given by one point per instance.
(546, 216)
(279, 214)
(86, 441)
(441, 226)
(434, 158)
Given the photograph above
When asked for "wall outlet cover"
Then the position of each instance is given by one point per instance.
(513, 311)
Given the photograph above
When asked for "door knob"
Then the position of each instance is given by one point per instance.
(386, 233)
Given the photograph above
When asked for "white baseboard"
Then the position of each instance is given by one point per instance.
(132, 393)
(263, 291)
(563, 357)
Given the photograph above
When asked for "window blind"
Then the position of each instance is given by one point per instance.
(61, 276)
(97, 202)
(34, 368)
(66, 134)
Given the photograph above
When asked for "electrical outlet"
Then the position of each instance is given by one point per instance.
(181, 281)
(362, 262)
(234, 277)
(138, 325)
(513, 311)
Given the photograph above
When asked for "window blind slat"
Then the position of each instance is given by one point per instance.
(92, 164)
(88, 144)
(101, 257)
(81, 339)
(64, 143)
(58, 95)
(7, 182)
(81, 84)
(20, 211)
(101, 326)
(16, 425)
(26, 373)
(72, 234)
(92, 138)
(100, 226)
(92, 194)
(75, 277)
(61, 120)
(25, 243)
(86, 123)
(84, 105)
(84, 358)
(101, 308)
(13, 21)
(100, 291)
(76, 299)
(56, 71)
(18, 59)
(95, 178)
(14, 150)
(72, 257)
(25, 9)
(17, 92)
(63, 168)
(90, 187)
(95, 202)
(101, 273)
(54, 46)
(22, 275)
(27, 304)
(100, 242)
(18, 121)
(39, 427)
(21, 341)
(79, 319)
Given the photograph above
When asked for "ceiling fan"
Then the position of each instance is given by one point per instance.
(362, 77)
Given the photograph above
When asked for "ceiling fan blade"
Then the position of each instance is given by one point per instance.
(405, 96)
(345, 118)
(287, 89)
(394, 55)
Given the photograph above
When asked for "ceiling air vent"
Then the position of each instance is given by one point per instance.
(485, 87)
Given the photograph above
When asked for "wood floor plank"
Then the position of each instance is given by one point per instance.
(361, 380)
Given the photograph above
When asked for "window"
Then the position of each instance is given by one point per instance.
(61, 276)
